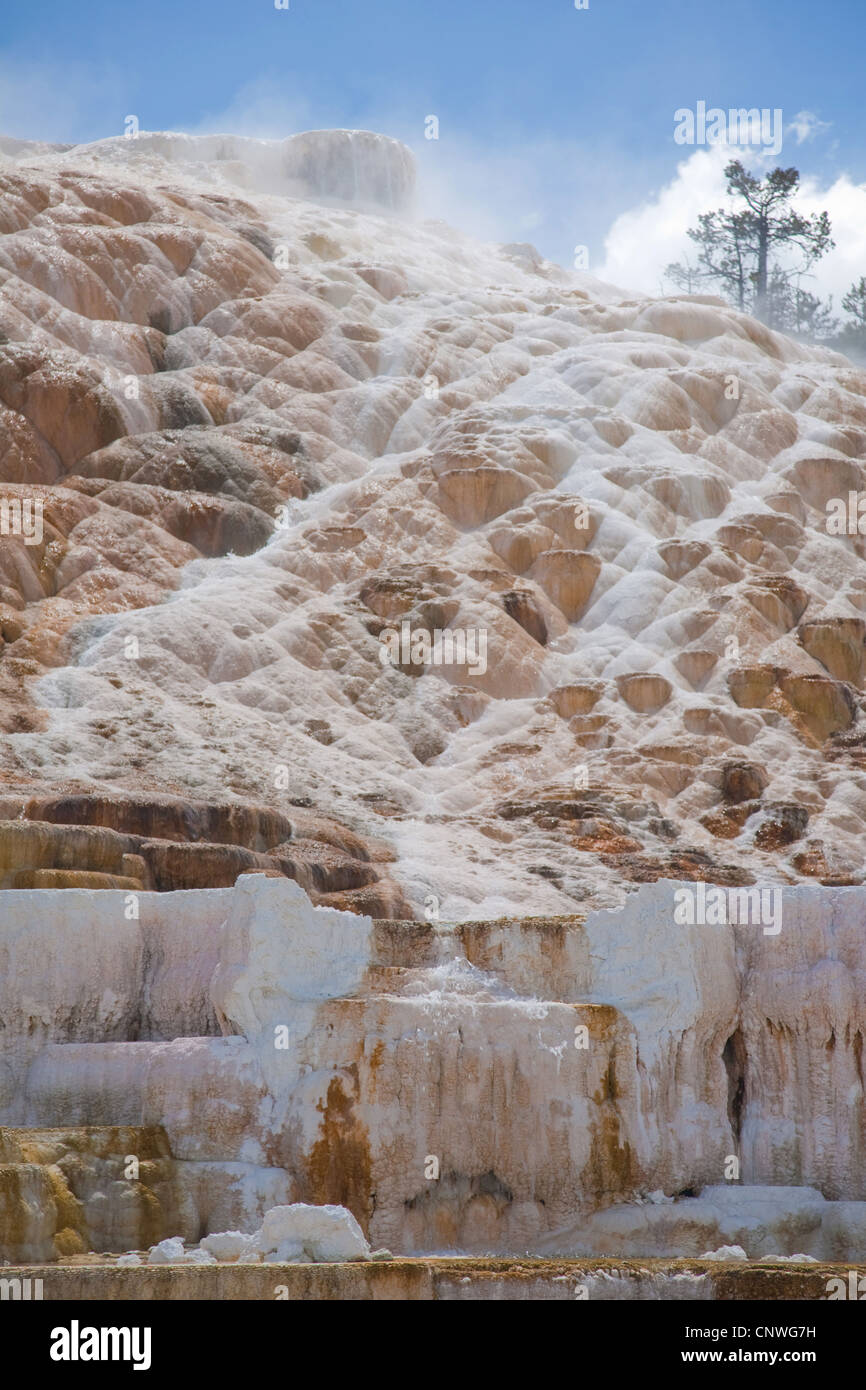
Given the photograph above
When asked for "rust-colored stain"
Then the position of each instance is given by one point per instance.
(611, 1167)
(339, 1164)
(47, 1174)
(603, 1022)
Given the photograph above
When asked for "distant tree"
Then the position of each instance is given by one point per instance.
(792, 309)
(770, 223)
(746, 248)
(779, 312)
(724, 251)
(684, 275)
(854, 303)
(813, 316)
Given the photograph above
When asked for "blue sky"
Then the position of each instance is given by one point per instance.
(553, 122)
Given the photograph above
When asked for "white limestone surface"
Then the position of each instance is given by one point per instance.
(320, 1233)
(659, 1053)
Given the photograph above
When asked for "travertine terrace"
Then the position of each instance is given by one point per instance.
(265, 427)
(253, 1050)
(268, 415)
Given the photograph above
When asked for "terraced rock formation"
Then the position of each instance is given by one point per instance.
(393, 629)
(566, 1086)
(269, 415)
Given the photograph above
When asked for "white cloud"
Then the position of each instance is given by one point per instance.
(642, 241)
(845, 201)
(806, 125)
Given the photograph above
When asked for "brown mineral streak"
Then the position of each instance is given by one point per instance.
(339, 1165)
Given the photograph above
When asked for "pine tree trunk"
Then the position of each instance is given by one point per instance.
(763, 257)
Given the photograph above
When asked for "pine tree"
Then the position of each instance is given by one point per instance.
(746, 249)
(854, 303)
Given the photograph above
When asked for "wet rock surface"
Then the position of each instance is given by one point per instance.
(266, 415)
(612, 1064)
(399, 639)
